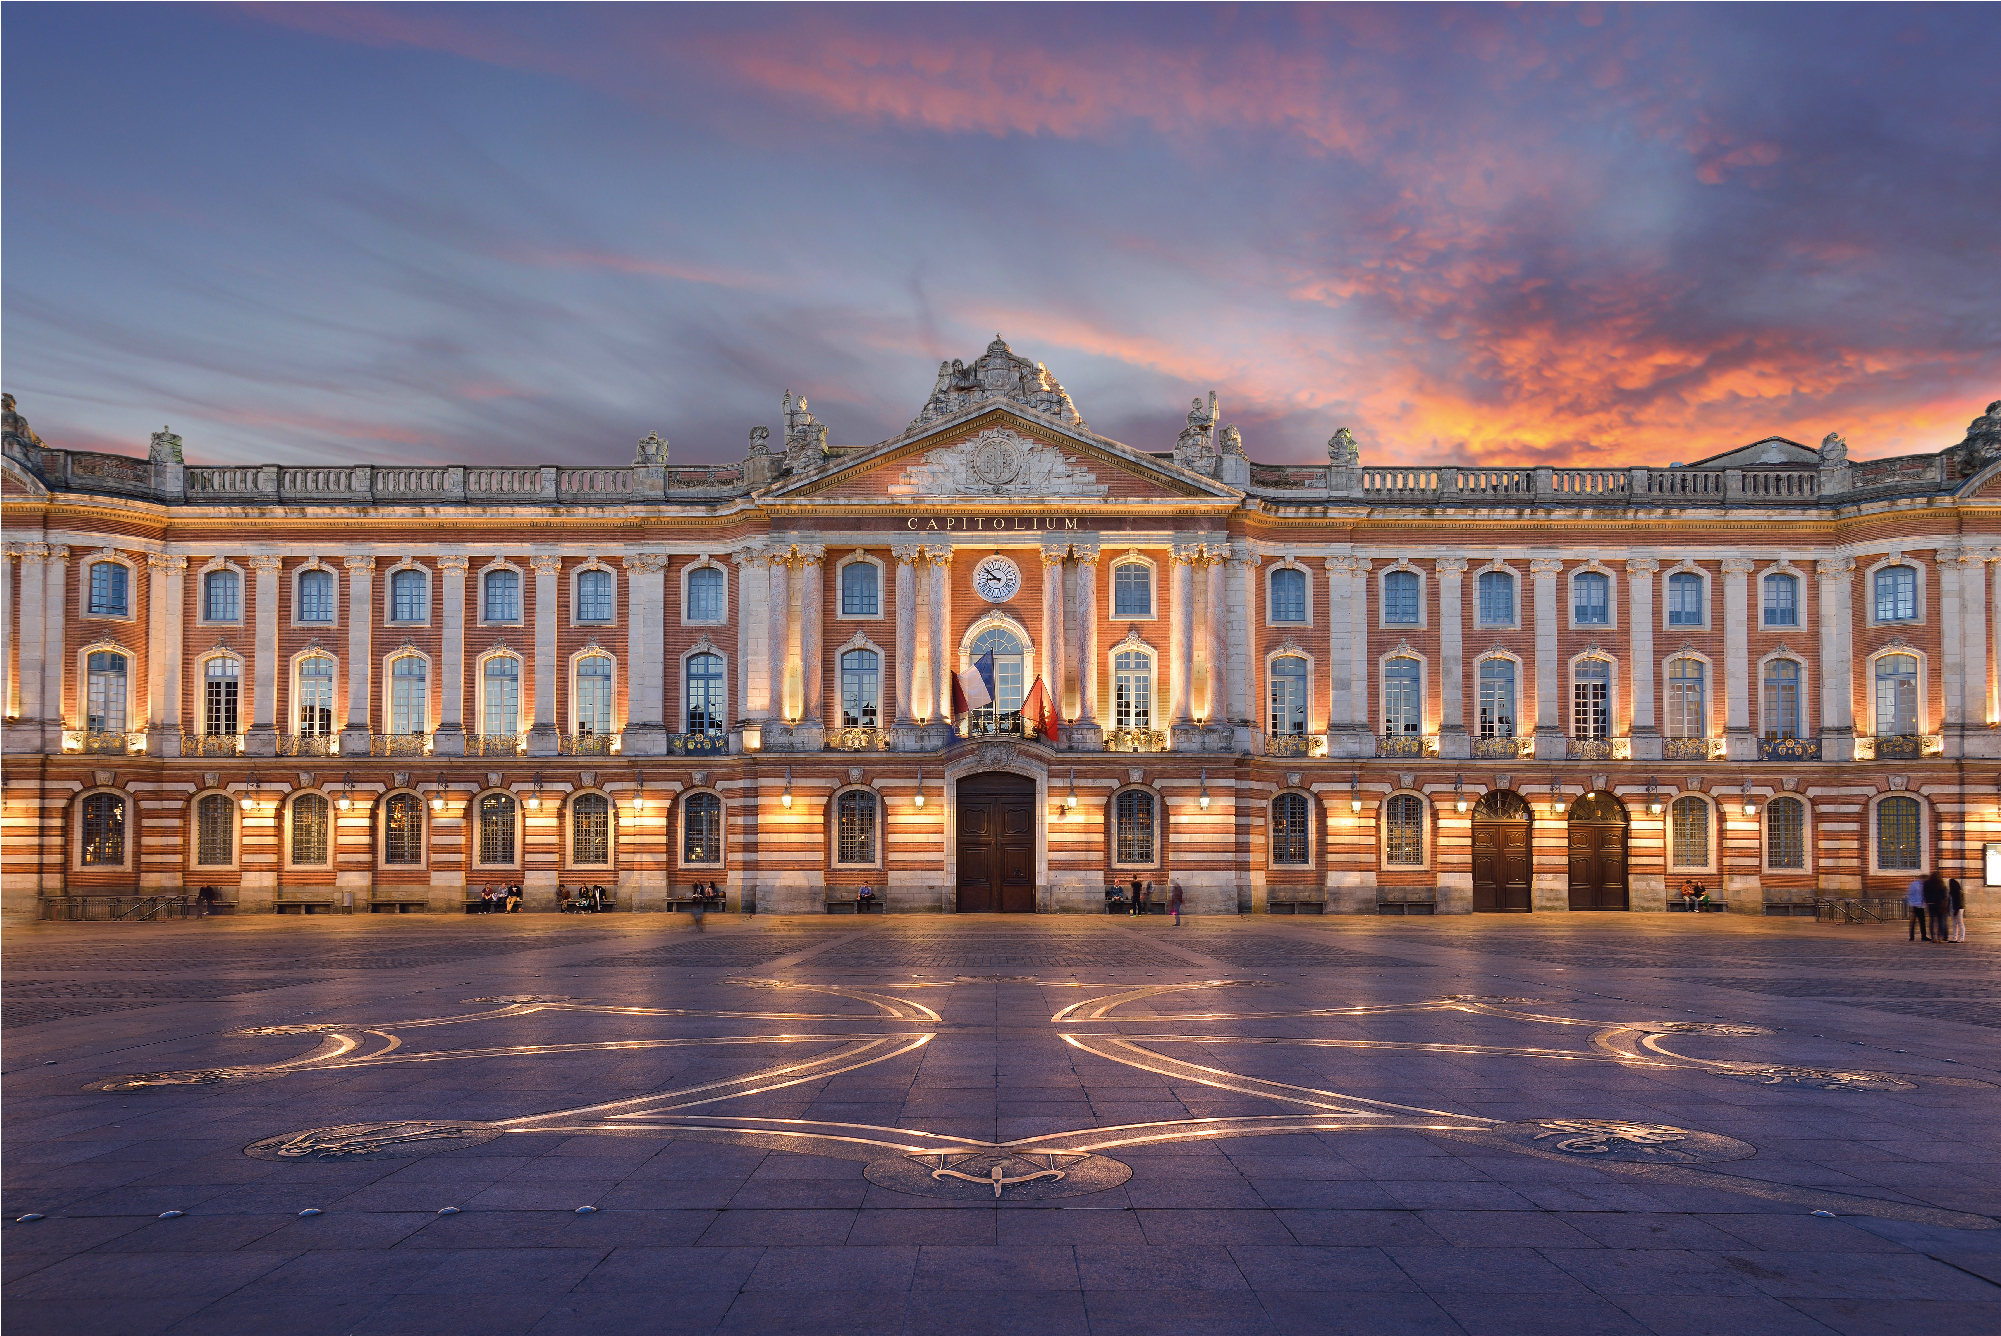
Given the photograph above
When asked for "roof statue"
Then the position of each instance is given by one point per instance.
(1982, 445)
(651, 451)
(15, 425)
(1833, 450)
(166, 447)
(1233, 441)
(997, 375)
(805, 435)
(1342, 452)
(1195, 446)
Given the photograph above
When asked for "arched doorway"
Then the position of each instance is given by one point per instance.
(1502, 862)
(1598, 825)
(997, 814)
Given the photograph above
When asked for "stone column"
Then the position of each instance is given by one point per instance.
(8, 700)
(1215, 636)
(156, 651)
(778, 620)
(1181, 648)
(1087, 649)
(1952, 651)
(753, 698)
(360, 654)
(450, 738)
(1740, 738)
(1242, 581)
(1453, 741)
(812, 671)
(1837, 671)
(1641, 670)
(645, 733)
(943, 661)
(906, 557)
(1339, 667)
(1053, 612)
(542, 738)
(1550, 742)
(34, 605)
(262, 739)
(55, 643)
(1976, 740)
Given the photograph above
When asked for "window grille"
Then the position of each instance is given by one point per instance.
(403, 829)
(1403, 837)
(309, 829)
(1898, 844)
(215, 831)
(1785, 833)
(854, 817)
(1134, 820)
(590, 828)
(104, 830)
(1289, 834)
(1689, 819)
(496, 828)
(702, 829)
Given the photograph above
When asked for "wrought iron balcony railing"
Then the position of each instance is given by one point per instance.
(1789, 749)
(1685, 749)
(1589, 749)
(1289, 744)
(211, 744)
(399, 744)
(1400, 744)
(309, 744)
(857, 739)
(698, 744)
(1496, 749)
(587, 744)
(493, 744)
(1136, 740)
(102, 742)
(1009, 725)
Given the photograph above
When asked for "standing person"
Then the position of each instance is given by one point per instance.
(1937, 905)
(1914, 900)
(698, 906)
(1956, 909)
(1174, 901)
(1138, 905)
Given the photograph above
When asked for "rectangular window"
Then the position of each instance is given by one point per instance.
(1686, 712)
(590, 829)
(316, 596)
(594, 694)
(1782, 699)
(103, 830)
(1403, 708)
(496, 828)
(215, 831)
(1897, 594)
(1400, 598)
(596, 596)
(409, 596)
(503, 697)
(1403, 836)
(108, 590)
(706, 587)
(859, 592)
(1132, 690)
(1591, 595)
(309, 829)
(1288, 596)
(409, 696)
(503, 596)
(1896, 696)
(1785, 834)
(219, 716)
(702, 829)
(222, 597)
(1782, 601)
(1898, 844)
(855, 821)
(106, 710)
(1497, 698)
(1132, 591)
(316, 691)
(403, 830)
(1684, 593)
(1288, 829)
(1497, 599)
(860, 685)
(1287, 676)
(1591, 701)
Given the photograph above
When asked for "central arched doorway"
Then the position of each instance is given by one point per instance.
(997, 813)
(1598, 826)
(1502, 862)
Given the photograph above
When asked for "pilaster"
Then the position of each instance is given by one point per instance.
(645, 734)
(906, 557)
(812, 669)
(25, 727)
(1181, 649)
(1089, 730)
(1740, 739)
(262, 738)
(753, 700)
(1837, 668)
(1053, 561)
(1551, 743)
(942, 664)
(542, 738)
(360, 655)
(1976, 738)
(55, 644)
(1453, 742)
(1641, 671)
(450, 738)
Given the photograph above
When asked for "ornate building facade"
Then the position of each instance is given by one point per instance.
(1340, 686)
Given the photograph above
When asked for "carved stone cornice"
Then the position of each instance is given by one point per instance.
(1341, 565)
(358, 563)
(646, 563)
(1832, 569)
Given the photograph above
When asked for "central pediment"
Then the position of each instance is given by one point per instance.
(998, 462)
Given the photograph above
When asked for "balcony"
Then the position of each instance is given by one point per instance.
(100, 742)
(587, 744)
(857, 739)
(1498, 749)
(1136, 740)
(493, 744)
(1684, 749)
(399, 744)
(1400, 744)
(698, 744)
(1589, 749)
(1789, 749)
(1289, 744)
(1009, 725)
(211, 744)
(309, 744)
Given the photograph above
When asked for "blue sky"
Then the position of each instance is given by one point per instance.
(533, 234)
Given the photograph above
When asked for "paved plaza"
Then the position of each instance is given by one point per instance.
(1603, 1123)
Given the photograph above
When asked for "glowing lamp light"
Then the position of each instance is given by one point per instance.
(1355, 794)
(918, 801)
(1204, 799)
(1071, 801)
(786, 797)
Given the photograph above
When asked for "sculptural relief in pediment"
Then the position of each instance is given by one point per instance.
(999, 462)
(996, 376)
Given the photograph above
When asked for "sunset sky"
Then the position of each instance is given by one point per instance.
(1566, 234)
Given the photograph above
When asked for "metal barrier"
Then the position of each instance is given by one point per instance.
(1883, 909)
(115, 908)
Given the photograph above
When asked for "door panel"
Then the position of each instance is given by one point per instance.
(996, 844)
(1501, 867)
(1598, 867)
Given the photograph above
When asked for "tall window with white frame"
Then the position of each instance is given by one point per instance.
(1899, 834)
(309, 830)
(706, 588)
(1896, 695)
(220, 680)
(1291, 833)
(316, 692)
(1687, 709)
(409, 596)
(1400, 593)
(854, 823)
(705, 695)
(105, 708)
(861, 687)
(1403, 831)
(1403, 699)
(597, 596)
(409, 696)
(108, 589)
(860, 592)
(1288, 596)
(1896, 589)
(1287, 677)
(593, 694)
(501, 675)
(1497, 698)
(1132, 689)
(1591, 700)
(1782, 699)
(590, 829)
(1684, 599)
(1785, 834)
(503, 596)
(496, 828)
(222, 597)
(403, 829)
(1003, 715)
(1782, 600)
(702, 829)
(1132, 591)
(316, 597)
(1591, 599)
(103, 830)
(1132, 818)
(1497, 598)
(1688, 837)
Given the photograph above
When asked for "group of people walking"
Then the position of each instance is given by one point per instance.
(1938, 909)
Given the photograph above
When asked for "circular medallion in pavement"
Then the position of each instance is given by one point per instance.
(997, 1175)
(1603, 1139)
(1817, 1078)
(371, 1141)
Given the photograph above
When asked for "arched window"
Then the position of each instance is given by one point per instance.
(409, 596)
(222, 597)
(705, 594)
(861, 595)
(597, 596)
(1290, 834)
(1133, 827)
(215, 831)
(103, 830)
(1403, 699)
(1288, 595)
(108, 596)
(219, 680)
(1497, 598)
(1591, 700)
(1004, 715)
(503, 596)
(105, 711)
(1899, 834)
(496, 828)
(403, 829)
(1403, 831)
(705, 694)
(1591, 599)
(316, 684)
(1896, 594)
(1687, 706)
(409, 695)
(309, 829)
(593, 692)
(1684, 599)
(1688, 821)
(1782, 600)
(590, 828)
(1896, 695)
(1288, 696)
(861, 686)
(1132, 689)
(702, 829)
(1497, 698)
(1785, 833)
(1132, 590)
(502, 717)
(854, 822)
(1782, 699)
(316, 596)
(1400, 606)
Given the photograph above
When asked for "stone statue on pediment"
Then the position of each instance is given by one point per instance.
(14, 424)
(652, 451)
(1195, 446)
(1233, 441)
(805, 435)
(996, 376)
(1833, 450)
(1982, 445)
(1342, 452)
(165, 448)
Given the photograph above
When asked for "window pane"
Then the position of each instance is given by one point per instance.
(1686, 717)
(1400, 598)
(590, 829)
(219, 702)
(1685, 599)
(316, 684)
(108, 589)
(1497, 698)
(596, 601)
(496, 828)
(594, 694)
(1132, 689)
(702, 829)
(105, 710)
(859, 595)
(403, 829)
(1008, 684)
(1690, 821)
(1403, 838)
(1403, 708)
(409, 696)
(705, 594)
(309, 828)
(1289, 842)
(1782, 601)
(860, 688)
(103, 830)
(1497, 598)
(503, 696)
(1592, 593)
(1785, 833)
(1896, 594)
(1288, 596)
(1896, 696)
(1132, 590)
(1782, 699)
(1288, 696)
(409, 596)
(705, 694)
(222, 595)
(855, 822)
(316, 596)
(1897, 843)
(503, 596)
(215, 831)
(1134, 820)
(1591, 700)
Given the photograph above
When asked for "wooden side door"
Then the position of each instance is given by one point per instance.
(1015, 848)
(1501, 867)
(977, 856)
(1597, 866)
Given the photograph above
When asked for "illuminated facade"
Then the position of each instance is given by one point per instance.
(1366, 688)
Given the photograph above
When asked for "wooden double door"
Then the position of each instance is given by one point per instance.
(997, 813)
(1503, 859)
(1598, 853)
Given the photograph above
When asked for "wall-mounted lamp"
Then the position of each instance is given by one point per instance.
(1204, 798)
(1355, 792)
(1071, 801)
(639, 790)
(919, 799)
(535, 794)
(1653, 797)
(1556, 803)
(346, 790)
(250, 793)
(786, 797)
(1750, 803)
(1459, 803)
(438, 798)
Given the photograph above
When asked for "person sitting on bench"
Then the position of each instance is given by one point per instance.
(864, 897)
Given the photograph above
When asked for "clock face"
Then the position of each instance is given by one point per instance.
(996, 579)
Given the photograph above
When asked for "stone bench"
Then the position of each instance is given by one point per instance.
(853, 904)
(308, 905)
(399, 904)
(1678, 904)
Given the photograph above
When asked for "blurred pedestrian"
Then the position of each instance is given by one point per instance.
(1914, 901)
(1174, 901)
(1937, 900)
(1956, 907)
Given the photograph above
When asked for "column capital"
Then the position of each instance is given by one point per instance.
(1185, 554)
(1738, 565)
(1974, 556)
(1449, 565)
(812, 554)
(1055, 556)
(1342, 565)
(1642, 565)
(168, 562)
(264, 562)
(358, 563)
(54, 553)
(546, 565)
(1832, 569)
(1085, 553)
(907, 554)
(1542, 566)
(456, 561)
(644, 563)
(938, 556)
